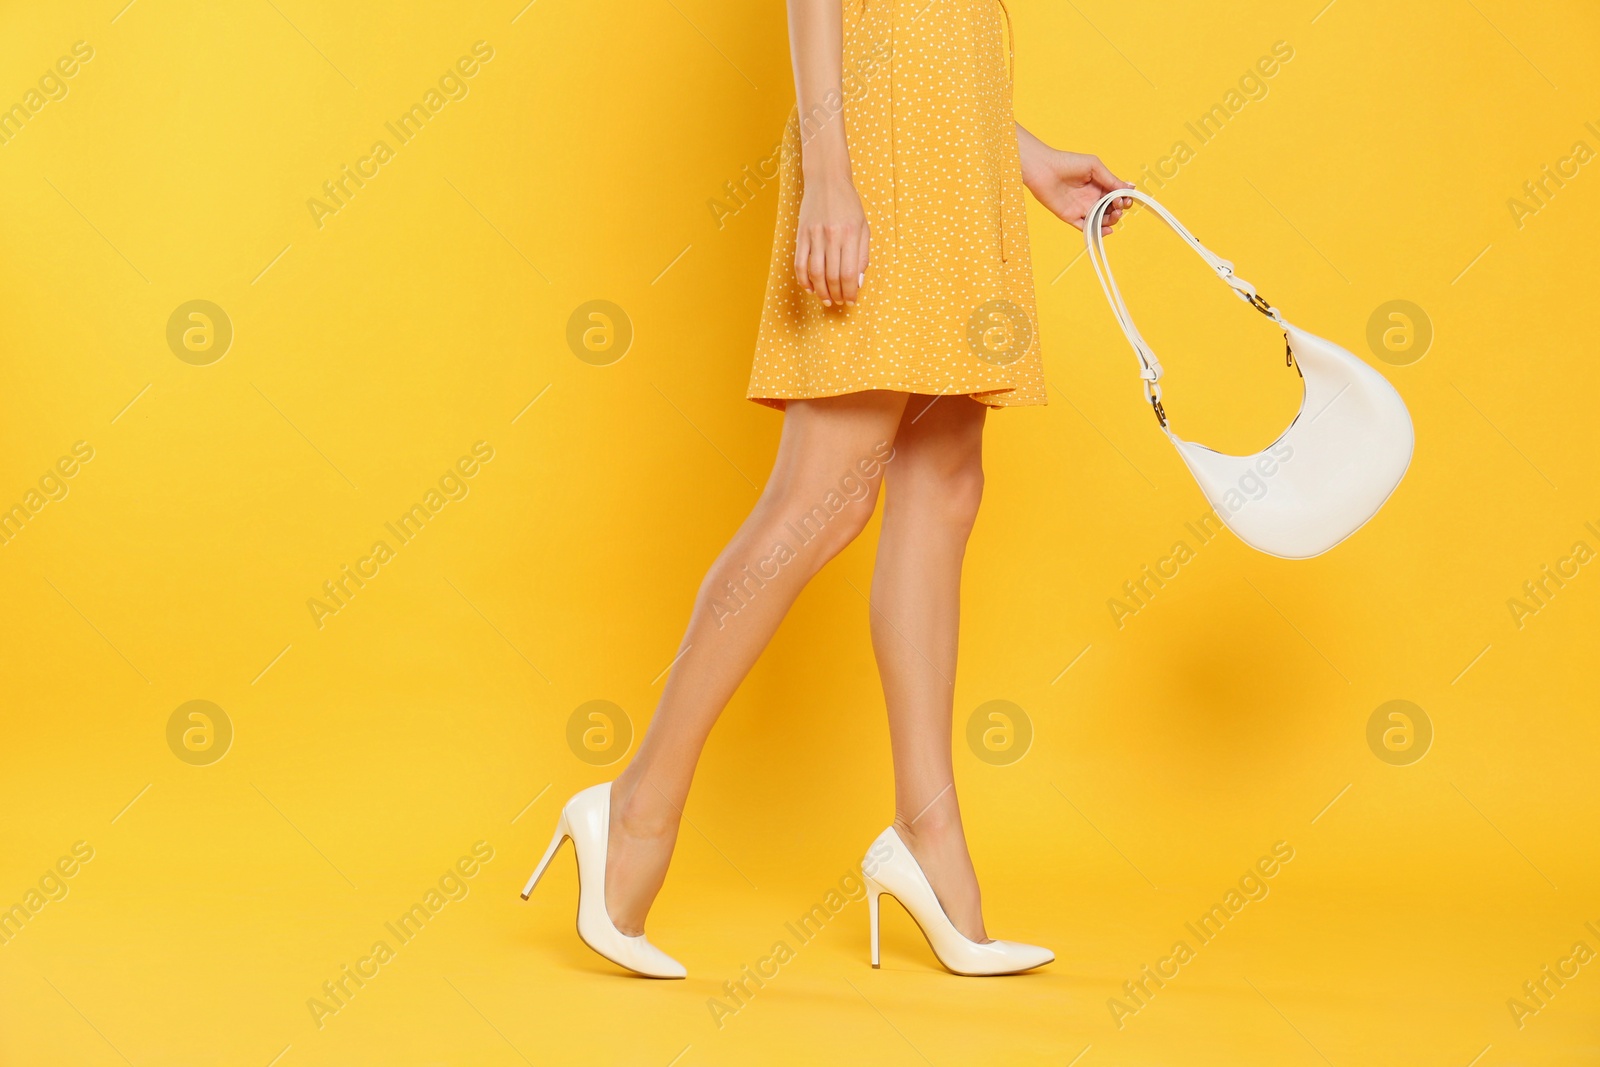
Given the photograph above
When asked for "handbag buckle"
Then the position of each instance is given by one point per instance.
(1262, 306)
(1161, 412)
(1154, 390)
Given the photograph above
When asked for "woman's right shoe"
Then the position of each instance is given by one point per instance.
(895, 871)
(586, 819)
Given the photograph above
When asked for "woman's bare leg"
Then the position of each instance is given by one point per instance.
(934, 487)
(823, 489)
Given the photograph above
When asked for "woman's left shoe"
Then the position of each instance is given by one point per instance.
(586, 819)
(895, 871)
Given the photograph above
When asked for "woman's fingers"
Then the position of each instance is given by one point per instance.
(835, 251)
(831, 262)
(853, 265)
(816, 265)
(1103, 177)
(1125, 202)
(802, 259)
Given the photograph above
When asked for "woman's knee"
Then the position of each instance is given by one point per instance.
(836, 518)
(946, 489)
(963, 491)
(818, 521)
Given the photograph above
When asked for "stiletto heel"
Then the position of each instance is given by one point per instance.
(586, 819)
(562, 833)
(895, 871)
(873, 893)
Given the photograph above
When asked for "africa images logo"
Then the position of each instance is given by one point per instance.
(999, 332)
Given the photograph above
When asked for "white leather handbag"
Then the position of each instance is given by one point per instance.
(1335, 465)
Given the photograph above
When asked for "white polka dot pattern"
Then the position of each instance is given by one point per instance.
(933, 151)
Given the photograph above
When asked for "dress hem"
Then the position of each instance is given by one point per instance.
(779, 401)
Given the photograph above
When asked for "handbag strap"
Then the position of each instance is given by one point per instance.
(1149, 366)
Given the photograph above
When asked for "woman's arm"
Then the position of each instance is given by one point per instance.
(830, 257)
(1068, 183)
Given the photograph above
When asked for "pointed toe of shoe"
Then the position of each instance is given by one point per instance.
(671, 968)
(1001, 957)
(658, 963)
(641, 956)
(1027, 957)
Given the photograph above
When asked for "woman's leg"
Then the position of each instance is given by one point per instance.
(823, 489)
(934, 486)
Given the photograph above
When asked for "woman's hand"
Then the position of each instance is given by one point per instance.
(830, 253)
(1069, 183)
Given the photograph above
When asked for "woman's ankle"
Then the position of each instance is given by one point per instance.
(642, 811)
(935, 823)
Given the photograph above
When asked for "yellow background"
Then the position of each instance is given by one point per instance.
(426, 715)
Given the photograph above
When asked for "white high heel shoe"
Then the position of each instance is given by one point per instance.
(895, 871)
(586, 819)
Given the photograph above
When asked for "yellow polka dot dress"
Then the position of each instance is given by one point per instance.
(948, 306)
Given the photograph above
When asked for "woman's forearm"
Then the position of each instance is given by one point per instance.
(816, 48)
(1031, 152)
